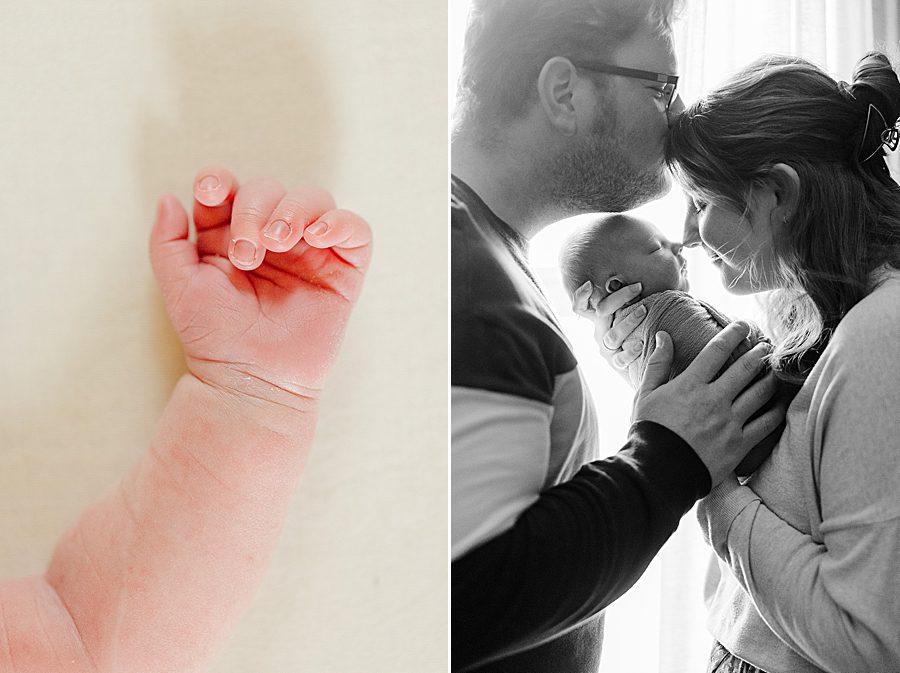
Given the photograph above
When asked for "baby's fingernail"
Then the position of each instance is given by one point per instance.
(208, 182)
(317, 229)
(637, 287)
(641, 311)
(243, 251)
(279, 230)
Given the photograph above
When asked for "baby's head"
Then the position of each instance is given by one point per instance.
(616, 250)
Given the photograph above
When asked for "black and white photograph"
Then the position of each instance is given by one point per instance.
(675, 311)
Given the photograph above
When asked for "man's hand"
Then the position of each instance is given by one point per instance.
(261, 299)
(614, 343)
(711, 414)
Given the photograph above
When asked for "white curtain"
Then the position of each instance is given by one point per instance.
(716, 37)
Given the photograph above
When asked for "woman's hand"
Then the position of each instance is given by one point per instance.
(620, 345)
(261, 299)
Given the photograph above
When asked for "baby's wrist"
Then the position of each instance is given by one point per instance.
(277, 406)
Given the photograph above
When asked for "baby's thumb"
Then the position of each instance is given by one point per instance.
(659, 363)
(172, 255)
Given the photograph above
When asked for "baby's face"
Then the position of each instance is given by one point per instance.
(646, 256)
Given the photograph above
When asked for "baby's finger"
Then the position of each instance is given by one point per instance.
(624, 328)
(613, 302)
(346, 233)
(292, 215)
(172, 255)
(214, 191)
(581, 298)
(252, 206)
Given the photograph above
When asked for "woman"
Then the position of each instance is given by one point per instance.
(791, 193)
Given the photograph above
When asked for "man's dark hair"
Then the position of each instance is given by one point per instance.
(509, 41)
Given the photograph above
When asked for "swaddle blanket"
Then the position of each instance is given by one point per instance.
(692, 323)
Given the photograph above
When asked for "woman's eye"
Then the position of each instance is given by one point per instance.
(699, 205)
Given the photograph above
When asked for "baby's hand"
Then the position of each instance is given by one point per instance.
(261, 299)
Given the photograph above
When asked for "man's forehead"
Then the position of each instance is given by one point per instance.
(647, 50)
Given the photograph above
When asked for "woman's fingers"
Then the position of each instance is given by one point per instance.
(616, 300)
(296, 210)
(631, 350)
(623, 329)
(253, 204)
(658, 364)
(345, 232)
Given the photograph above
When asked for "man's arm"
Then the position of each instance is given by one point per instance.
(573, 549)
(154, 576)
(576, 549)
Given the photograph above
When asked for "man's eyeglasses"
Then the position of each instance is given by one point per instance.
(669, 82)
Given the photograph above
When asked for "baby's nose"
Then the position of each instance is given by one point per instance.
(677, 248)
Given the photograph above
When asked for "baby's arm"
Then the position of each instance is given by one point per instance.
(154, 576)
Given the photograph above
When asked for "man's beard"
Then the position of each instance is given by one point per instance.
(597, 176)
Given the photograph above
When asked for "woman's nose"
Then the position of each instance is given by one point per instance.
(691, 236)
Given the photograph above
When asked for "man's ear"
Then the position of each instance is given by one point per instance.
(785, 185)
(556, 89)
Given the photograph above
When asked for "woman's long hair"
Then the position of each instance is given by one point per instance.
(846, 220)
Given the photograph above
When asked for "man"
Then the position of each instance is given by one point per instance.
(543, 539)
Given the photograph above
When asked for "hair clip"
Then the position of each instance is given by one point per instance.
(890, 137)
(844, 88)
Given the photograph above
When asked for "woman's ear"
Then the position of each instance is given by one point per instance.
(556, 90)
(785, 185)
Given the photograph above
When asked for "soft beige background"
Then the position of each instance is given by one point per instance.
(104, 105)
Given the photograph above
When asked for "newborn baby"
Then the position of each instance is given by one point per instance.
(155, 574)
(616, 250)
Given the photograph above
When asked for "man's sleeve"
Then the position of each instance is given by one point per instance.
(575, 549)
(530, 562)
